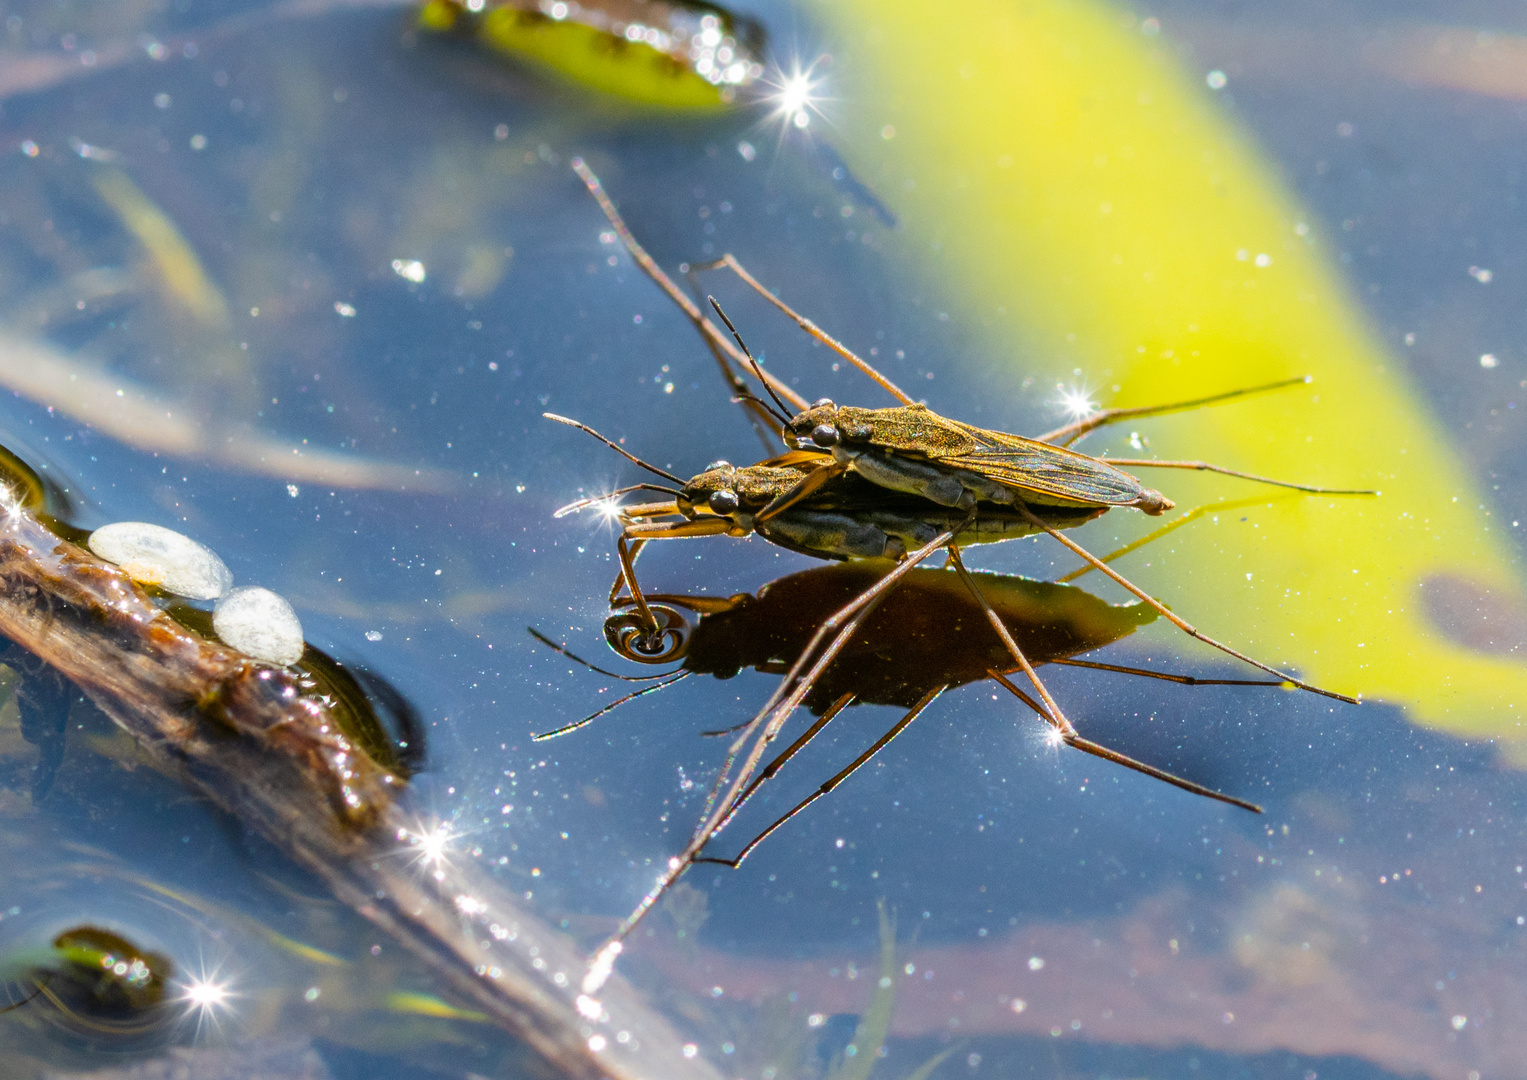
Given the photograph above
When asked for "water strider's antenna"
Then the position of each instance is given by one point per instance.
(756, 369)
(618, 449)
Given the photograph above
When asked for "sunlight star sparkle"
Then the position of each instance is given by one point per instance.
(796, 95)
(429, 846)
(1075, 402)
(207, 998)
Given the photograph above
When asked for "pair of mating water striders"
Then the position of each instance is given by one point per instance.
(895, 483)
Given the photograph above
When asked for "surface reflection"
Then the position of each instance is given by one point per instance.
(932, 633)
(428, 279)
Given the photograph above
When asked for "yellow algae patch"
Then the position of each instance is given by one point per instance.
(1070, 183)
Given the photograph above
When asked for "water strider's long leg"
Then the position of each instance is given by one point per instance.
(1074, 739)
(1051, 712)
(629, 516)
(838, 778)
(1070, 433)
(774, 766)
(846, 621)
(1204, 466)
(1184, 680)
(710, 816)
(628, 576)
(1087, 746)
(620, 576)
(576, 724)
(708, 329)
(565, 651)
(602, 963)
(1172, 617)
(857, 607)
(718, 732)
(811, 482)
(642, 533)
(807, 325)
(769, 770)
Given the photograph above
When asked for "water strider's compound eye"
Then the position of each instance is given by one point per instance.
(719, 463)
(822, 403)
(724, 501)
(824, 435)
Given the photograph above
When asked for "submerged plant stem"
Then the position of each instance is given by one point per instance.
(244, 736)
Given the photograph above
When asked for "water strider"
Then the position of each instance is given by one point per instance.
(912, 451)
(847, 519)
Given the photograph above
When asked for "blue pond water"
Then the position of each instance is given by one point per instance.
(1055, 916)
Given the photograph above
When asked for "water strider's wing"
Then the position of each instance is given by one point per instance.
(1030, 465)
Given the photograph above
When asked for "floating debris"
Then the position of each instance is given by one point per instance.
(269, 747)
(90, 621)
(261, 623)
(154, 555)
(675, 54)
(98, 981)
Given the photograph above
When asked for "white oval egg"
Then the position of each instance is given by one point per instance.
(158, 556)
(260, 623)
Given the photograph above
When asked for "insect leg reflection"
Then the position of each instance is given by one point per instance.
(1052, 714)
(767, 724)
(1073, 739)
(837, 778)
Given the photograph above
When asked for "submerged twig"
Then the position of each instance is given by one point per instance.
(245, 736)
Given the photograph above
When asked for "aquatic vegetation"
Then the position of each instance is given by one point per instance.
(675, 54)
(255, 744)
(96, 982)
(1169, 251)
(66, 607)
(874, 1025)
(170, 281)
